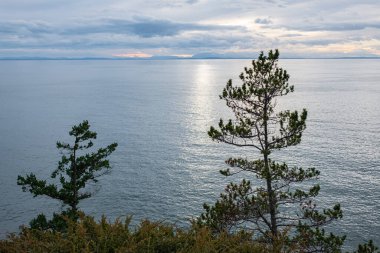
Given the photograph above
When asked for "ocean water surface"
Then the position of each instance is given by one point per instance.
(159, 112)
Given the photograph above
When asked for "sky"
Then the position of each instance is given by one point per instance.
(189, 28)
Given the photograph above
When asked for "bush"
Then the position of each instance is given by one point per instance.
(87, 235)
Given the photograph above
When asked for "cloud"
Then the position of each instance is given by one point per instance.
(145, 27)
(187, 26)
(22, 27)
(138, 33)
(142, 27)
(314, 42)
(333, 27)
(263, 21)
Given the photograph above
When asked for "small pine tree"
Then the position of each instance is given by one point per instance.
(368, 247)
(277, 206)
(74, 172)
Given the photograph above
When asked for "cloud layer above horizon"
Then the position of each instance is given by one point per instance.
(97, 28)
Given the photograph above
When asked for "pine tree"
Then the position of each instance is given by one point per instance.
(277, 206)
(73, 171)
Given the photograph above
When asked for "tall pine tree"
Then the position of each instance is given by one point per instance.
(276, 205)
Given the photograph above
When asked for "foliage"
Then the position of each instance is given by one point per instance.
(367, 248)
(87, 235)
(74, 172)
(276, 205)
(57, 223)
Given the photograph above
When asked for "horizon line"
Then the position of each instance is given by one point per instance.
(178, 58)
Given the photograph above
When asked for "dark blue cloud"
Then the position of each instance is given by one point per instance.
(142, 27)
(203, 42)
(145, 28)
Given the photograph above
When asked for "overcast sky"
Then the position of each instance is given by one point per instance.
(106, 28)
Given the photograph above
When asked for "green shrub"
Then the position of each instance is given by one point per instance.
(87, 235)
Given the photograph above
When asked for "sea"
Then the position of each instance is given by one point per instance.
(159, 112)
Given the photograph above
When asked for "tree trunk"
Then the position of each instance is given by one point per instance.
(272, 200)
(74, 181)
(271, 196)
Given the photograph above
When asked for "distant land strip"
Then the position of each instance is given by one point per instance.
(175, 58)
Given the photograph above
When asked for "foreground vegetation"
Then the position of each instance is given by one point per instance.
(277, 215)
(87, 235)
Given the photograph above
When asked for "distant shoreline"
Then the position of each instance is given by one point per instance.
(178, 58)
